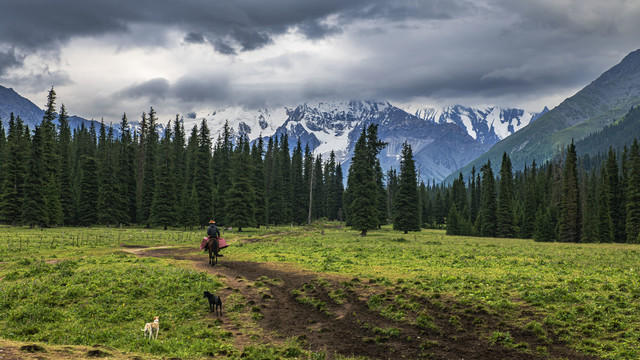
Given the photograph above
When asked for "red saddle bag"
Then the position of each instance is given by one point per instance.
(222, 243)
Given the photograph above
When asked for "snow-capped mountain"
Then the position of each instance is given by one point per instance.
(438, 148)
(487, 124)
(252, 123)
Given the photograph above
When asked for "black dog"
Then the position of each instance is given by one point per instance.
(214, 302)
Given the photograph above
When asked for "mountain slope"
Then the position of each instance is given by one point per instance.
(30, 113)
(438, 148)
(487, 125)
(600, 103)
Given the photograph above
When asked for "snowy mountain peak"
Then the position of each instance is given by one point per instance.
(488, 124)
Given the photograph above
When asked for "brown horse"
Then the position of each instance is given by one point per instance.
(213, 247)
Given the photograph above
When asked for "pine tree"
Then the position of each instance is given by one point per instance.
(179, 159)
(126, 175)
(220, 173)
(298, 186)
(605, 223)
(530, 206)
(633, 194)
(362, 189)
(570, 214)
(33, 206)
(241, 198)
(14, 170)
(163, 212)
(202, 176)
(65, 152)
(149, 170)
(406, 198)
(88, 197)
(287, 190)
(318, 207)
(488, 207)
(615, 197)
(590, 215)
(505, 200)
(108, 187)
(257, 152)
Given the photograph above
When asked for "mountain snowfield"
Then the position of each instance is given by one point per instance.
(488, 124)
(442, 139)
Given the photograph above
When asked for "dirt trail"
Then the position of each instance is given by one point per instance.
(332, 315)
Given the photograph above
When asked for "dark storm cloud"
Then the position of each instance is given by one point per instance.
(9, 59)
(37, 24)
(153, 89)
(194, 38)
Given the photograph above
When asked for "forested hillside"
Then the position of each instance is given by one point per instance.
(594, 199)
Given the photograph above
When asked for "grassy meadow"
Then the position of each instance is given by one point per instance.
(76, 286)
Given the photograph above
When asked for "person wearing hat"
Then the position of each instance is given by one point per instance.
(213, 231)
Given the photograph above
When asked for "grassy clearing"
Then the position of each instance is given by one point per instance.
(585, 294)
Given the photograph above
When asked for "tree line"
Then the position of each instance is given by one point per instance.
(569, 199)
(53, 175)
(153, 176)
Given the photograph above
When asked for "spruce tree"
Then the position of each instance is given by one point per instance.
(65, 152)
(287, 190)
(299, 211)
(14, 170)
(633, 194)
(362, 189)
(179, 159)
(406, 204)
(220, 173)
(488, 207)
(162, 210)
(318, 207)
(33, 206)
(258, 178)
(605, 223)
(202, 176)
(108, 186)
(505, 200)
(615, 197)
(88, 196)
(590, 215)
(149, 168)
(570, 213)
(240, 210)
(126, 174)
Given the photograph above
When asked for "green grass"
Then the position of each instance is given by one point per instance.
(586, 294)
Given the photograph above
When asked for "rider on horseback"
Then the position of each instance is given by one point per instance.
(213, 231)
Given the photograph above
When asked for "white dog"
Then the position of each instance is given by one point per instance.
(151, 326)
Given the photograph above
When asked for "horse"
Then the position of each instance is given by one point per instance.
(213, 247)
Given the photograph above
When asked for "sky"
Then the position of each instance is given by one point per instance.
(109, 57)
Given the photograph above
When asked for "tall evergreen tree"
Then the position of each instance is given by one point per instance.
(318, 209)
(179, 159)
(633, 194)
(505, 200)
(149, 170)
(33, 206)
(65, 152)
(108, 186)
(299, 211)
(221, 165)
(605, 223)
(362, 189)
(202, 176)
(163, 212)
(88, 196)
(14, 170)
(570, 214)
(126, 174)
(406, 199)
(615, 197)
(488, 207)
(257, 153)
(241, 198)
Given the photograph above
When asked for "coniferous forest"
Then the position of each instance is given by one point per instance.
(55, 176)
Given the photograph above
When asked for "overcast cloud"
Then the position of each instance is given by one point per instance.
(109, 57)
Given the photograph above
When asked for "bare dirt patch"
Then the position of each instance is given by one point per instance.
(335, 315)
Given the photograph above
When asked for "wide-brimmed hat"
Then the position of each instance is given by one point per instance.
(212, 221)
